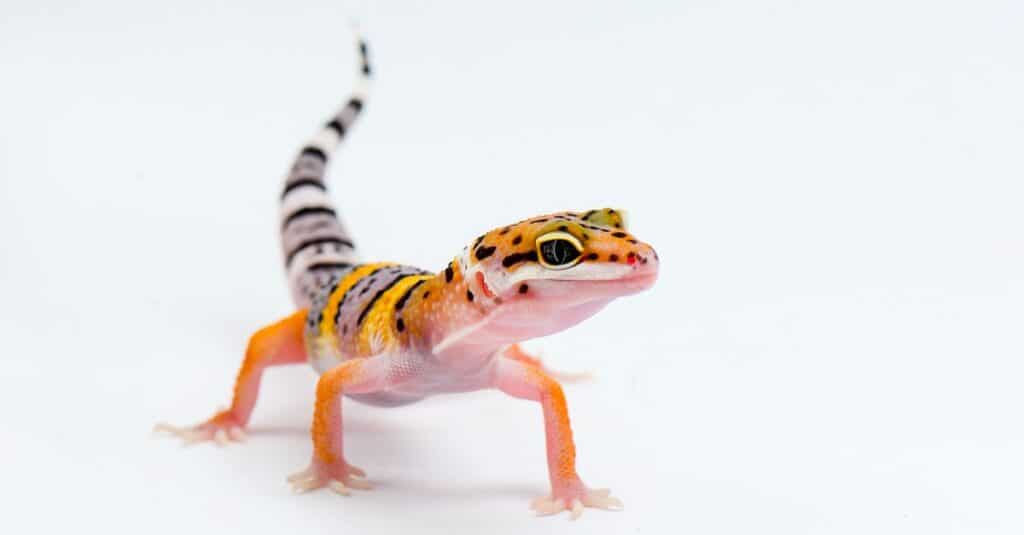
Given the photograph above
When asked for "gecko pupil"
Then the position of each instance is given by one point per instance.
(558, 252)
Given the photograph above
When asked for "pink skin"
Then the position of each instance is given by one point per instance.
(461, 344)
(552, 304)
(464, 349)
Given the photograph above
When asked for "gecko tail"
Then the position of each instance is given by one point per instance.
(315, 244)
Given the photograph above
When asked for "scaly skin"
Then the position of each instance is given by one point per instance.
(388, 335)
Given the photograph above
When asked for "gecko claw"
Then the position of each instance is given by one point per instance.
(340, 488)
(237, 434)
(577, 510)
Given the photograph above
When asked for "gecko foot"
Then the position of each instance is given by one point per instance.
(223, 428)
(339, 478)
(575, 500)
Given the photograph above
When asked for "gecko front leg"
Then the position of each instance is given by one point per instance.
(328, 467)
(525, 381)
(274, 345)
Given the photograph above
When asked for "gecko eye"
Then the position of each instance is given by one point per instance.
(558, 250)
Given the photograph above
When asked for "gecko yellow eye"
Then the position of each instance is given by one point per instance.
(558, 250)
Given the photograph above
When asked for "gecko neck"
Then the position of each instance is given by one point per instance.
(468, 324)
(450, 322)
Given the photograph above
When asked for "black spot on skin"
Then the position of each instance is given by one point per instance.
(469, 295)
(619, 234)
(505, 230)
(311, 243)
(448, 273)
(563, 228)
(307, 211)
(523, 288)
(613, 258)
(400, 325)
(328, 265)
(484, 251)
(586, 236)
(588, 214)
(344, 329)
(517, 240)
(315, 153)
(541, 220)
(337, 127)
(478, 240)
(592, 256)
(631, 240)
(426, 294)
(610, 211)
(515, 258)
(312, 182)
(618, 225)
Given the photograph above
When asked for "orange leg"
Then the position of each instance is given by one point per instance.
(524, 381)
(329, 467)
(276, 345)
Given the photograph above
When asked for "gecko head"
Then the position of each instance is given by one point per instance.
(547, 273)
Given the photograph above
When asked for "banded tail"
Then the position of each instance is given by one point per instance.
(315, 244)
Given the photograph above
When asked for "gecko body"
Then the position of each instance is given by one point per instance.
(387, 334)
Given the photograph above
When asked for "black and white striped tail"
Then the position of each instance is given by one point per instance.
(316, 245)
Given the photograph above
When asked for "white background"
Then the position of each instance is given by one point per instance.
(835, 344)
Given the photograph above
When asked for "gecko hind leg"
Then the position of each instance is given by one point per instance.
(516, 352)
(275, 345)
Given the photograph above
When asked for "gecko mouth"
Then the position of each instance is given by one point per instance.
(633, 283)
(576, 291)
(644, 278)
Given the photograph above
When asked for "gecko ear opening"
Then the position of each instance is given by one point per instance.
(607, 217)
